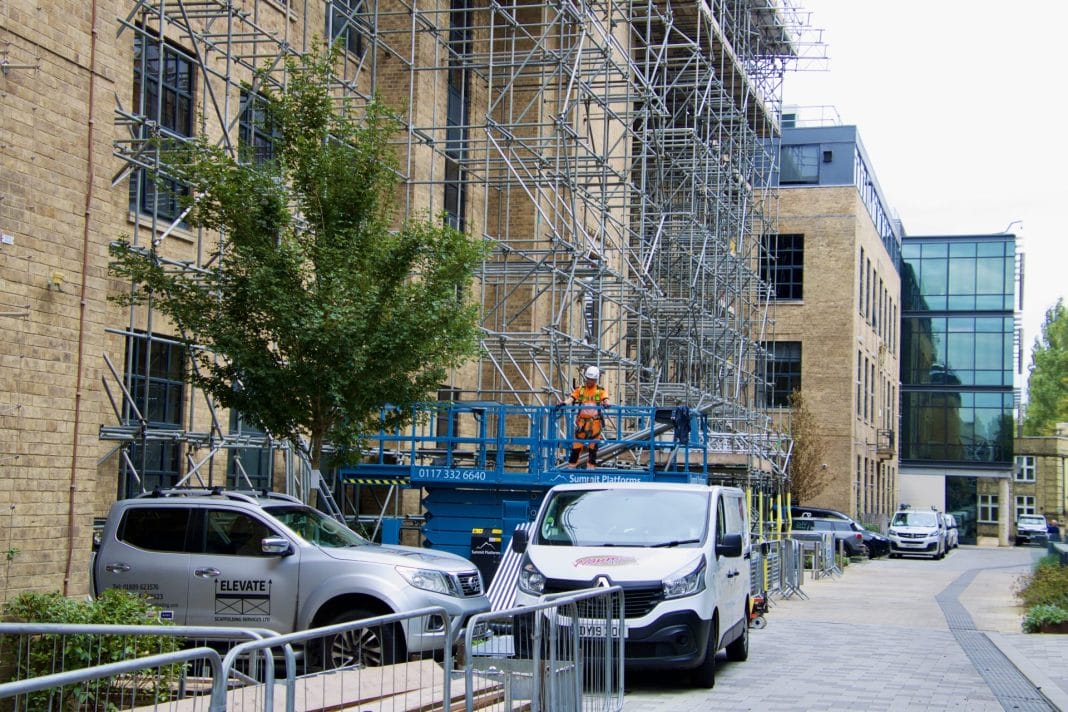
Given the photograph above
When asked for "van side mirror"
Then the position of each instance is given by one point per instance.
(519, 541)
(729, 545)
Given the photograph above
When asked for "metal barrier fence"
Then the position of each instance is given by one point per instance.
(819, 550)
(564, 654)
(778, 568)
(71, 666)
(220, 669)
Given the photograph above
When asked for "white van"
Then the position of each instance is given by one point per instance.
(681, 553)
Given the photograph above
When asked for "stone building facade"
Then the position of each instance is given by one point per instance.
(838, 311)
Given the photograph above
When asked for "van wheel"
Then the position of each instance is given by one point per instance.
(738, 650)
(373, 646)
(705, 674)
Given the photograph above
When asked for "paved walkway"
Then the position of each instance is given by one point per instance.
(902, 634)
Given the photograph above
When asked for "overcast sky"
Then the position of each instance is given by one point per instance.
(961, 108)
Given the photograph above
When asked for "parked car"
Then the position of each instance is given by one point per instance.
(844, 531)
(952, 531)
(1031, 529)
(917, 532)
(798, 511)
(224, 558)
(876, 544)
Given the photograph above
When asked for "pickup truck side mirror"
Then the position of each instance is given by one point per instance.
(519, 541)
(277, 545)
(729, 545)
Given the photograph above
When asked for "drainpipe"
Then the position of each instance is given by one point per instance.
(82, 306)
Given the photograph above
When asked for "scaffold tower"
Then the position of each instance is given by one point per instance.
(615, 155)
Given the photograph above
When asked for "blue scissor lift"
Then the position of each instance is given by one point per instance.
(486, 465)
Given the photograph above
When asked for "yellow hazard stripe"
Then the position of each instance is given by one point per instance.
(373, 481)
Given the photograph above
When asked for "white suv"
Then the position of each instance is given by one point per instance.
(917, 532)
(223, 558)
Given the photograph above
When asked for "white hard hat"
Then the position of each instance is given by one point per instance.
(593, 372)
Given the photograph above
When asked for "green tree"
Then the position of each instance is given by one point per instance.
(806, 469)
(1047, 385)
(317, 311)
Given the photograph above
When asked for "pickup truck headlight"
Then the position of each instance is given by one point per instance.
(686, 584)
(892, 531)
(429, 580)
(531, 581)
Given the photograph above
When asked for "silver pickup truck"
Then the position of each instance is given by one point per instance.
(224, 558)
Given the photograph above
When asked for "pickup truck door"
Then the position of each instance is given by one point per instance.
(147, 553)
(233, 583)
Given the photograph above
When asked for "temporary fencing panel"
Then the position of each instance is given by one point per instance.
(564, 654)
(44, 666)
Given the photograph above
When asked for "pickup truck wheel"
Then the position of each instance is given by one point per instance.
(372, 646)
(738, 650)
(705, 674)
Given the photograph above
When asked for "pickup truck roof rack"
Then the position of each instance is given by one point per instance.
(251, 496)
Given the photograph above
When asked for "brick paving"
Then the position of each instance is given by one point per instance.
(877, 638)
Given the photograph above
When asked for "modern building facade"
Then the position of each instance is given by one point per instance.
(611, 154)
(833, 266)
(958, 359)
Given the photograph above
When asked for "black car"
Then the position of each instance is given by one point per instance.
(876, 544)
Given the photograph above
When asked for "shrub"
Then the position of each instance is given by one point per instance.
(1038, 616)
(43, 654)
(1046, 585)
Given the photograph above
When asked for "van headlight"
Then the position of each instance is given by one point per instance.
(531, 581)
(686, 584)
(428, 580)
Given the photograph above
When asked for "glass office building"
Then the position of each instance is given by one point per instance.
(957, 363)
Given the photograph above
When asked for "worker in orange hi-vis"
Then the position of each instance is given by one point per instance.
(591, 398)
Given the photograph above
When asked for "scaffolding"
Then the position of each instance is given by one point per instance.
(616, 155)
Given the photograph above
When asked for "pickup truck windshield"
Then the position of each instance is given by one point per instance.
(315, 527)
(625, 518)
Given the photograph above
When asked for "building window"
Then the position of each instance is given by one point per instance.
(1025, 504)
(800, 165)
(782, 265)
(247, 467)
(860, 282)
(457, 110)
(163, 93)
(1025, 468)
(860, 379)
(256, 136)
(783, 374)
(341, 22)
(155, 374)
(988, 508)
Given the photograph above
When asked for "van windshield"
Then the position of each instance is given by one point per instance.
(623, 517)
(915, 519)
(315, 527)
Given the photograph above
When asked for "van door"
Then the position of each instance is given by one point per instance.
(233, 583)
(731, 512)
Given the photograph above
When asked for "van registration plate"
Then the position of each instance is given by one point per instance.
(599, 629)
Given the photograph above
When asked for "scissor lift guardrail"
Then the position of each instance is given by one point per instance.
(481, 444)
